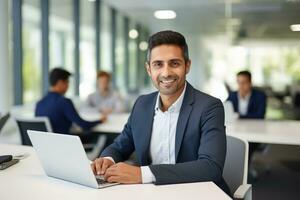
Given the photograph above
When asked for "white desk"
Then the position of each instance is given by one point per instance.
(27, 180)
(114, 124)
(261, 131)
(264, 131)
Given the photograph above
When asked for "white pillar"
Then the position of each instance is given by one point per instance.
(5, 67)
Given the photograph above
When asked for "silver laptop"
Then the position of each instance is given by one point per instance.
(63, 157)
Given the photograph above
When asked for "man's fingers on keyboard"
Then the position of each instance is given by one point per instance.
(104, 167)
(98, 163)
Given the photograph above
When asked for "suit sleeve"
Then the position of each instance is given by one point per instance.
(211, 153)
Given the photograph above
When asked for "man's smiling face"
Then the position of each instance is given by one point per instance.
(167, 69)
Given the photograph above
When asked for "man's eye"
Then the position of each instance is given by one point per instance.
(158, 64)
(175, 64)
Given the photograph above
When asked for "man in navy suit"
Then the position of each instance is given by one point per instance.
(177, 133)
(248, 102)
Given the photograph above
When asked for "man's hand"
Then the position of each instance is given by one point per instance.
(106, 111)
(103, 118)
(100, 165)
(123, 173)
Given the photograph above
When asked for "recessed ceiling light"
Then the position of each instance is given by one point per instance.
(92, 0)
(143, 45)
(133, 34)
(165, 14)
(295, 27)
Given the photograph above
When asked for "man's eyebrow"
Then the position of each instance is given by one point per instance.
(171, 60)
(156, 61)
(175, 59)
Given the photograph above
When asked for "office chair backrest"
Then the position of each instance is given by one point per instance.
(297, 100)
(230, 115)
(36, 124)
(3, 120)
(235, 170)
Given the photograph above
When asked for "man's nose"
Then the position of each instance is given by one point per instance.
(166, 71)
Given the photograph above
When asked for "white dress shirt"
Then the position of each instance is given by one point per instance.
(111, 101)
(162, 144)
(243, 103)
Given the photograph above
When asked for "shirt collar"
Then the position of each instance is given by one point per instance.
(246, 98)
(175, 106)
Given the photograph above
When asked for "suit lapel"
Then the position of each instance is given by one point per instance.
(147, 129)
(184, 114)
(236, 105)
(250, 102)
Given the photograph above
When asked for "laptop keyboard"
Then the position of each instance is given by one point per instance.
(100, 181)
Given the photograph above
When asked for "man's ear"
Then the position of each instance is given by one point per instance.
(147, 66)
(188, 66)
(59, 82)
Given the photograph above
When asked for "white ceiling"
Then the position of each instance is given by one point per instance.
(259, 18)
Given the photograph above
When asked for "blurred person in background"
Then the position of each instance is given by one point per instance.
(104, 99)
(249, 103)
(59, 109)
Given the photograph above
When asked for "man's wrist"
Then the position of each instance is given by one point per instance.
(146, 175)
(140, 175)
(110, 158)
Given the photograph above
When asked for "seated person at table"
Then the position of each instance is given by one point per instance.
(177, 133)
(105, 100)
(248, 102)
(59, 109)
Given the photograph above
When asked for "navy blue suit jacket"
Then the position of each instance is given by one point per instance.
(256, 107)
(200, 144)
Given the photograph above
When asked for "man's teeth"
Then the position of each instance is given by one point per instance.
(168, 81)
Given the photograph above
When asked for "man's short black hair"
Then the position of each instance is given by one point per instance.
(57, 74)
(245, 73)
(170, 38)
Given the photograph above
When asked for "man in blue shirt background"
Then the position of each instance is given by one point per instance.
(59, 109)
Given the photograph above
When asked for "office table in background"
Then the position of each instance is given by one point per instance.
(114, 124)
(27, 180)
(285, 132)
(266, 131)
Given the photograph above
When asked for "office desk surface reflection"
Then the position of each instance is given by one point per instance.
(27, 180)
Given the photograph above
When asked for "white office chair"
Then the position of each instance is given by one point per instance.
(235, 170)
